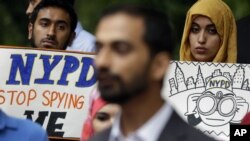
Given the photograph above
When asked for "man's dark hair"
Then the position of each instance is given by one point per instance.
(71, 2)
(157, 34)
(62, 4)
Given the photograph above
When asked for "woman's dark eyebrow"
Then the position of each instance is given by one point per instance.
(211, 25)
(194, 24)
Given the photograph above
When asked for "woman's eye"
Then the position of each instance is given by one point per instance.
(102, 116)
(212, 31)
(194, 29)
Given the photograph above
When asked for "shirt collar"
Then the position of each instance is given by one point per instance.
(115, 132)
(150, 131)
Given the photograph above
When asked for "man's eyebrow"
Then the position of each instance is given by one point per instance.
(57, 21)
(44, 19)
(97, 43)
(120, 42)
(62, 21)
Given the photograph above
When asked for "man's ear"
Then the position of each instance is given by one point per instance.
(160, 65)
(30, 30)
(71, 38)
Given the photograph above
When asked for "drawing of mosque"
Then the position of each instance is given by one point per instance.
(179, 83)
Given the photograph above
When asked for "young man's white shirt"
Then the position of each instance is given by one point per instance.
(150, 131)
(84, 41)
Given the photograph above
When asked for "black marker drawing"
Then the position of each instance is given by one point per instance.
(215, 95)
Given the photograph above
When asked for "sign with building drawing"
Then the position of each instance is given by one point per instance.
(49, 87)
(209, 96)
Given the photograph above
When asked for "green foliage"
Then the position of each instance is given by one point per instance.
(14, 21)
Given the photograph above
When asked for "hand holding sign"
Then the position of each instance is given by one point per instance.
(242, 108)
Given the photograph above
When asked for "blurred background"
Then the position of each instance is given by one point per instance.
(13, 26)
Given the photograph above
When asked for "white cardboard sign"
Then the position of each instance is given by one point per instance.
(209, 96)
(49, 87)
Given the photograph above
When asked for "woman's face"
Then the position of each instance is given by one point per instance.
(104, 117)
(204, 39)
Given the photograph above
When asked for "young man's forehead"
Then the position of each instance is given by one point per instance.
(120, 22)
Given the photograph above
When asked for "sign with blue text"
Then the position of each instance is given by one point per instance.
(209, 96)
(48, 87)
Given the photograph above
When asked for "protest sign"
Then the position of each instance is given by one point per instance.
(48, 87)
(209, 96)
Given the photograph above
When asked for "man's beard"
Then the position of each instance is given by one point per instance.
(122, 92)
(33, 44)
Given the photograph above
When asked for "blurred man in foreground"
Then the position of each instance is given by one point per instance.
(134, 47)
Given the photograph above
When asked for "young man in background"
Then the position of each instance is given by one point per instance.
(52, 25)
(83, 41)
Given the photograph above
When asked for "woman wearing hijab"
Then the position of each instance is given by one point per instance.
(210, 33)
(101, 116)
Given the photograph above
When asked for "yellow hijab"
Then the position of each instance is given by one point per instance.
(224, 21)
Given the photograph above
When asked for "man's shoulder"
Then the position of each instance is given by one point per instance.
(22, 129)
(29, 129)
(102, 136)
(27, 124)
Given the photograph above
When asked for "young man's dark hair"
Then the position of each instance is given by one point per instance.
(63, 4)
(71, 2)
(157, 34)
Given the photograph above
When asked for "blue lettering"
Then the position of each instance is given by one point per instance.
(83, 82)
(48, 68)
(25, 70)
(71, 65)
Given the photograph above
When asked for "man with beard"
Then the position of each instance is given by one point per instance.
(134, 48)
(52, 25)
(83, 41)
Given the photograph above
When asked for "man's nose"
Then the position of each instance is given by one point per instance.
(52, 31)
(103, 59)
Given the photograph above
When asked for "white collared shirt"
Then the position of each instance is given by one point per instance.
(150, 131)
(84, 41)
